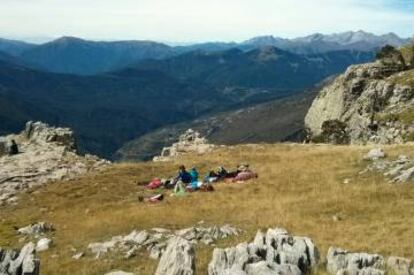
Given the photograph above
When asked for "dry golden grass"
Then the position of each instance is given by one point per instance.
(300, 188)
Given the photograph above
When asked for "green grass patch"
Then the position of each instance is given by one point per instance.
(405, 117)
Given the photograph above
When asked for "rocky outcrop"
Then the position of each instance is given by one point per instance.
(156, 240)
(340, 261)
(366, 103)
(45, 154)
(178, 259)
(400, 170)
(38, 228)
(189, 142)
(23, 262)
(275, 252)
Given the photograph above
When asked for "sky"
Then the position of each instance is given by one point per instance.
(191, 21)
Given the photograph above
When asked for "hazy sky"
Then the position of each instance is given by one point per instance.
(200, 20)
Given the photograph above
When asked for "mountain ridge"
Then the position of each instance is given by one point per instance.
(74, 55)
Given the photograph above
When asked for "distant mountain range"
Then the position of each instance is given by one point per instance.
(266, 67)
(77, 56)
(111, 93)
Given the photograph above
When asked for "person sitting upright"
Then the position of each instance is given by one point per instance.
(14, 149)
(181, 180)
(194, 180)
(183, 175)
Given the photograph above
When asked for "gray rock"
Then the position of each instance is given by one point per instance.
(36, 228)
(43, 244)
(375, 154)
(405, 175)
(178, 258)
(189, 142)
(119, 273)
(355, 98)
(340, 261)
(19, 263)
(46, 154)
(157, 250)
(78, 255)
(264, 268)
(276, 250)
(400, 266)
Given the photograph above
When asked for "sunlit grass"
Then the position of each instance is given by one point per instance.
(300, 188)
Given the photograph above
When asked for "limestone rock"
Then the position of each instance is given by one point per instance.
(36, 228)
(400, 170)
(119, 273)
(43, 244)
(400, 266)
(275, 252)
(46, 154)
(19, 263)
(189, 142)
(364, 101)
(178, 258)
(340, 261)
(78, 256)
(264, 268)
(375, 154)
(155, 240)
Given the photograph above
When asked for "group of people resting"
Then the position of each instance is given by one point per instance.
(188, 181)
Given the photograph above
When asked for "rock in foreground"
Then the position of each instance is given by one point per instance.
(340, 261)
(19, 263)
(275, 252)
(178, 258)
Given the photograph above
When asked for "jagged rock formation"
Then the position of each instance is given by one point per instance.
(37, 229)
(400, 170)
(365, 105)
(178, 259)
(157, 239)
(275, 252)
(189, 142)
(46, 154)
(341, 261)
(23, 262)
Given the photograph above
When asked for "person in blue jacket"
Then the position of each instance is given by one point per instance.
(194, 179)
(183, 175)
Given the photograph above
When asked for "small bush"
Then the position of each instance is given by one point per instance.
(333, 131)
(390, 55)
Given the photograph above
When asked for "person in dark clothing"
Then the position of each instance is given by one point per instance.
(14, 149)
(183, 175)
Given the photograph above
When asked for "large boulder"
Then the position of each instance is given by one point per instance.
(45, 154)
(37, 228)
(189, 142)
(341, 261)
(178, 258)
(39, 132)
(23, 262)
(400, 266)
(364, 103)
(275, 252)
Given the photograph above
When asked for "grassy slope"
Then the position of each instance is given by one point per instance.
(299, 188)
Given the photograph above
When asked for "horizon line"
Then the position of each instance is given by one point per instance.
(39, 40)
